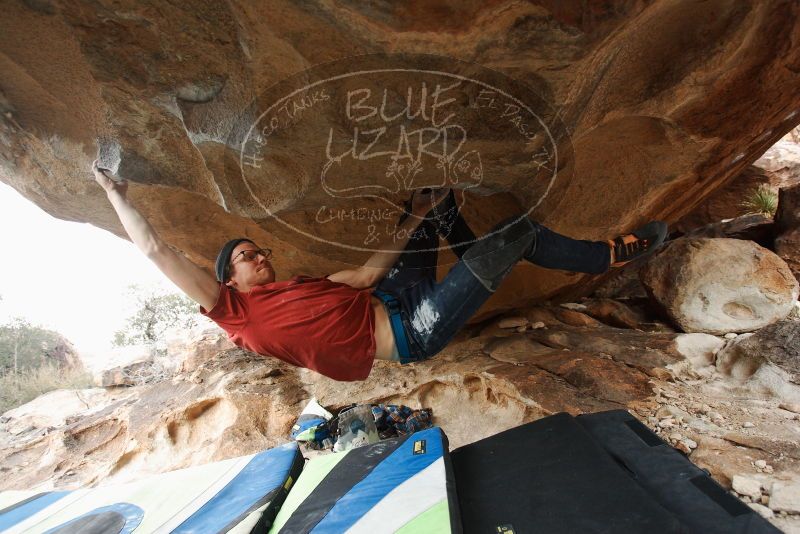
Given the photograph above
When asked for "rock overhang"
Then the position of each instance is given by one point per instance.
(659, 106)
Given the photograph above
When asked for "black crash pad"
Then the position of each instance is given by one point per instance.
(598, 473)
(551, 476)
(670, 478)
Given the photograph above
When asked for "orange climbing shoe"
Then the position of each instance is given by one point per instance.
(641, 242)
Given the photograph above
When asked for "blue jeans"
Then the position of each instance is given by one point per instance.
(432, 313)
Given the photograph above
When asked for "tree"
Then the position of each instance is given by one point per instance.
(35, 360)
(155, 314)
(24, 347)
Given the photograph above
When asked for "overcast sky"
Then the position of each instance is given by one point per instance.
(67, 276)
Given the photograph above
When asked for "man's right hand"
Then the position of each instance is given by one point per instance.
(197, 283)
(106, 182)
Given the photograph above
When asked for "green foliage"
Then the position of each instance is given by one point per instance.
(35, 360)
(24, 346)
(762, 200)
(25, 386)
(155, 314)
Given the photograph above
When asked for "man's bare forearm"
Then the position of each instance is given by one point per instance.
(199, 285)
(139, 230)
(380, 262)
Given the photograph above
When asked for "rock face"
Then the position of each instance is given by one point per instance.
(494, 376)
(133, 374)
(781, 161)
(720, 285)
(237, 402)
(55, 409)
(65, 355)
(185, 351)
(726, 202)
(785, 497)
(770, 357)
(787, 222)
(778, 168)
(632, 111)
(754, 227)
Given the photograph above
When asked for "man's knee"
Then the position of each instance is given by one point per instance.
(494, 255)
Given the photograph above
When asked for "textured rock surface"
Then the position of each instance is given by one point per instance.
(188, 352)
(720, 285)
(746, 486)
(726, 202)
(769, 359)
(699, 350)
(782, 160)
(237, 403)
(754, 227)
(785, 497)
(778, 168)
(55, 408)
(664, 102)
(614, 313)
(132, 374)
(787, 222)
(65, 355)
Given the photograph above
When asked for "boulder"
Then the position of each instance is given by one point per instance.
(633, 110)
(190, 350)
(785, 497)
(771, 353)
(752, 227)
(700, 351)
(621, 283)
(55, 408)
(238, 403)
(746, 486)
(65, 355)
(787, 222)
(722, 285)
(135, 373)
(781, 161)
(614, 313)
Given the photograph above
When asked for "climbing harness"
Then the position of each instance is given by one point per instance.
(396, 319)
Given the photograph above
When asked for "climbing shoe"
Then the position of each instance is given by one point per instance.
(641, 242)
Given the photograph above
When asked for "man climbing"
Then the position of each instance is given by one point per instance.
(390, 308)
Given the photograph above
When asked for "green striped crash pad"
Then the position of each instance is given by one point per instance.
(235, 495)
(401, 485)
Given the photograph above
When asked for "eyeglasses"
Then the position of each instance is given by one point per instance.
(251, 255)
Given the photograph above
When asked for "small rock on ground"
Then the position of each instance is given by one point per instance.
(785, 498)
(762, 510)
(790, 407)
(513, 322)
(746, 486)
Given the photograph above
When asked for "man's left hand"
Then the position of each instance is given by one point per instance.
(422, 203)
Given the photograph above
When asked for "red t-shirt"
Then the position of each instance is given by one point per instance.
(325, 326)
